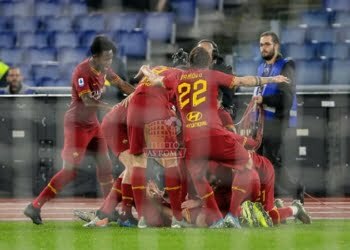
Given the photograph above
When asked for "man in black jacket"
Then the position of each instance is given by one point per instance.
(279, 103)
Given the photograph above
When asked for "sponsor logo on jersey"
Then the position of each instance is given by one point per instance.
(81, 82)
(194, 116)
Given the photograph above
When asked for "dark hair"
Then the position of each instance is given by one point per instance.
(216, 53)
(102, 43)
(274, 36)
(180, 58)
(199, 58)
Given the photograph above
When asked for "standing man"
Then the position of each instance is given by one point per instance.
(15, 86)
(82, 129)
(280, 110)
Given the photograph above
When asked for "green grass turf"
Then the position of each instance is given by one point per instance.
(322, 234)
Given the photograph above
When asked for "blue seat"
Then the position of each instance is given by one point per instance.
(26, 71)
(86, 38)
(133, 43)
(293, 35)
(323, 35)
(243, 67)
(299, 51)
(339, 72)
(123, 21)
(12, 56)
(90, 23)
(48, 9)
(67, 71)
(25, 24)
(337, 5)
(20, 9)
(309, 72)
(66, 39)
(76, 9)
(33, 40)
(36, 56)
(71, 55)
(159, 26)
(59, 23)
(246, 51)
(344, 35)
(341, 19)
(62, 83)
(315, 19)
(6, 24)
(45, 72)
(334, 51)
(7, 40)
(185, 11)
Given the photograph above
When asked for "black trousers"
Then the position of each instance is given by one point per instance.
(272, 147)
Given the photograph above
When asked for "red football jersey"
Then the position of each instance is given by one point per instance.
(86, 79)
(197, 91)
(225, 117)
(161, 94)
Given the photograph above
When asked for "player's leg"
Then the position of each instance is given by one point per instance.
(104, 175)
(161, 137)
(126, 217)
(75, 144)
(197, 170)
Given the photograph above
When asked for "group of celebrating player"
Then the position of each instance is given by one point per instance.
(212, 177)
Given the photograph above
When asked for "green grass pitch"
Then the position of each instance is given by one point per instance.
(322, 234)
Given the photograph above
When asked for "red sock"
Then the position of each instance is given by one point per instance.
(111, 200)
(280, 214)
(128, 198)
(105, 177)
(212, 210)
(138, 183)
(173, 188)
(119, 187)
(245, 185)
(62, 178)
(197, 170)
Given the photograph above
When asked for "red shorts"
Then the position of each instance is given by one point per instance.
(267, 178)
(114, 129)
(78, 139)
(144, 110)
(223, 149)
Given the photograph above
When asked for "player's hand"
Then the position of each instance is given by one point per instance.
(249, 164)
(141, 70)
(258, 99)
(280, 79)
(189, 204)
(153, 191)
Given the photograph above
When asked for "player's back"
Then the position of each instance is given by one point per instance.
(197, 91)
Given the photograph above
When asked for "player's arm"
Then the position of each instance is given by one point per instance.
(124, 86)
(253, 81)
(93, 103)
(232, 81)
(82, 87)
